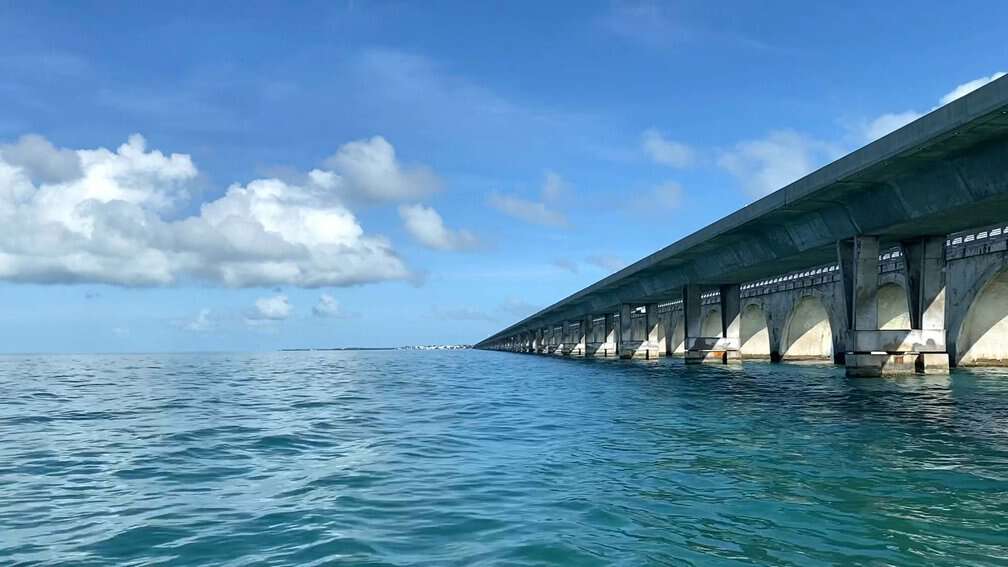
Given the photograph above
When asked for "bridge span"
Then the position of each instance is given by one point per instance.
(890, 260)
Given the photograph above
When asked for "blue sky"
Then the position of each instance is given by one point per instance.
(252, 176)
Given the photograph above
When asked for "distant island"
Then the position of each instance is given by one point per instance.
(410, 347)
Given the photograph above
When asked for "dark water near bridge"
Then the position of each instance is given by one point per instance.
(459, 458)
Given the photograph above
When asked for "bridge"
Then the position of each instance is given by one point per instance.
(890, 260)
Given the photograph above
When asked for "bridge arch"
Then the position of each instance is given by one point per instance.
(893, 307)
(754, 332)
(983, 335)
(676, 338)
(711, 325)
(808, 334)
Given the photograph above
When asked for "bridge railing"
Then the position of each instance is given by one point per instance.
(976, 242)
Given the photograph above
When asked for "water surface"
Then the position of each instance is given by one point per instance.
(470, 457)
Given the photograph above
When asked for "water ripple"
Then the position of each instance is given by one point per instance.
(460, 458)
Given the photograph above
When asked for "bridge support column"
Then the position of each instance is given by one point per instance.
(925, 268)
(724, 349)
(559, 336)
(644, 343)
(921, 349)
(568, 338)
(580, 339)
(608, 346)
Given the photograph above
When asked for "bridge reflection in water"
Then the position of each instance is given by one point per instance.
(891, 260)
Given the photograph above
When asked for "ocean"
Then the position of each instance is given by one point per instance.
(488, 458)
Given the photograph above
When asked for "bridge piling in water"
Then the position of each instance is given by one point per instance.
(863, 262)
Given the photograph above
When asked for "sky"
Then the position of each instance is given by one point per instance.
(188, 176)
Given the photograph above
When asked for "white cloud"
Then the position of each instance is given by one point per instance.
(893, 121)
(607, 262)
(427, 227)
(535, 212)
(664, 151)
(328, 306)
(887, 123)
(369, 169)
(113, 224)
(970, 86)
(272, 308)
(40, 160)
(765, 165)
(202, 322)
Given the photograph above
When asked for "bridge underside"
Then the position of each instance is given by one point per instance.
(881, 222)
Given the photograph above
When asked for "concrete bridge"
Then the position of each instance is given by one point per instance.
(889, 260)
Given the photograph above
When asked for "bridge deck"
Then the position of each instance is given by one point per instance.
(942, 173)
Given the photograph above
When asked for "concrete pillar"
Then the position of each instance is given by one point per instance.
(655, 334)
(720, 349)
(925, 269)
(559, 333)
(642, 344)
(613, 330)
(625, 331)
(603, 342)
(865, 296)
(691, 312)
(872, 352)
(580, 342)
(731, 323)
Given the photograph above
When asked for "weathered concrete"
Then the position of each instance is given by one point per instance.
(754, 332)
(807, 261)
(640, 332)
(602, 343)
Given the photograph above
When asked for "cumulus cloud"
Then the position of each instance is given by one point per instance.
(427, 227)
(113, 224)
(890, 122)
(272, 308)
(765, 165)
(328, 306)
(539, 212)
(607, 262)
(368, 169)
(41, 161)
(664, 151)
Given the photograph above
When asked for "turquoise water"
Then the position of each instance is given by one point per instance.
(459, 458)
